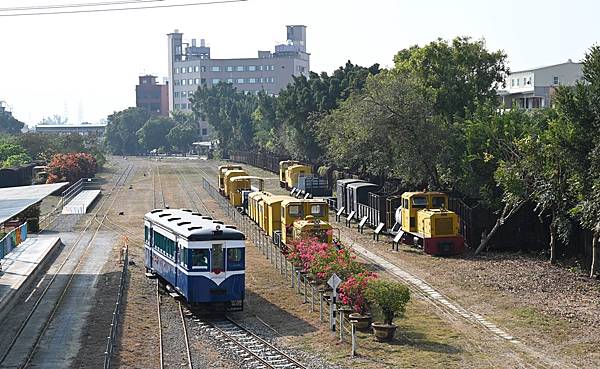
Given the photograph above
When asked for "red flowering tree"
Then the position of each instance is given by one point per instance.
(71, 167)
(352, 291)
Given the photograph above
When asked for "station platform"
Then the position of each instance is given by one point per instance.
(80, 203)
(21, 266)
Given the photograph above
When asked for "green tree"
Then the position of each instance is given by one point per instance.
(9, 124)
(267, 127)
(301, 105)
(578, 108)
(182, 136)
(229, 112)
(462, 73)
(121, 130)
(153, 134)
(16, 160)
(387, 129)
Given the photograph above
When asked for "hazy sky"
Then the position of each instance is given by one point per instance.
(86, 66)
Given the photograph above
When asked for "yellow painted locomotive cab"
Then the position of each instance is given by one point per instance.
(291, 210)
(317, 208)
(228, 176)
(293, 172)
(311, 227)
(237, 184)
(272, 213)
(283, 165)
(221, 173)
(413, 202)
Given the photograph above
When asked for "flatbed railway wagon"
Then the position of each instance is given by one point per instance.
(201, 258)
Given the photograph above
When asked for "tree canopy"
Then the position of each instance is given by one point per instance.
(9, 124)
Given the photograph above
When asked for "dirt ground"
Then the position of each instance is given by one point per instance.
(551, 310)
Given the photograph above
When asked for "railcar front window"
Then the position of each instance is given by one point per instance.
(294, 210)
(316, 210)
(235, 258)
(439, 202)
(419, 202)
(200, 259)
(217, 259)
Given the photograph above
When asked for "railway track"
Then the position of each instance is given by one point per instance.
(159, 190)
(254, 351)
(22, 347)
(174, 344)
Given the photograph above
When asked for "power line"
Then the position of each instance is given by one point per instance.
(75, 5)
(126, 8)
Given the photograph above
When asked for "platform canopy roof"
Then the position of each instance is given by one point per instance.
(14, 200)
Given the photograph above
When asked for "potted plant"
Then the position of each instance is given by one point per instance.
(391, 298)
(352, 293)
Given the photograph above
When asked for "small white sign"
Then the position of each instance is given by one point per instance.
(333, 282)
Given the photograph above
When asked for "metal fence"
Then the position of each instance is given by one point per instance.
(77, 187)
(114, 324)
(13, 239)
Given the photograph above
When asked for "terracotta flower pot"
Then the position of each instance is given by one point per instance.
(384, 332)
(363, 321)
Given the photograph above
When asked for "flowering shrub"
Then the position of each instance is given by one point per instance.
(352, 291)
(303, 252)
(331, 260)
(71, 167)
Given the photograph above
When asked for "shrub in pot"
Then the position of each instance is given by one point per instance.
(391, 298)
(352, 293)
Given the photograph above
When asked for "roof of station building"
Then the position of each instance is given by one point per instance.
(14, 200)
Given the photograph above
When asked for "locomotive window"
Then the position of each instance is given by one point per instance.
(439, 202)
(200, 259)
(217, 259)
(316, 210)
(235, 258)
(419, 202)
(294, 210)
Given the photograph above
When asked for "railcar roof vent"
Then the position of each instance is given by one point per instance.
(218, 222)
(183, 223)
(206, 217)
(165, 215)
(186, 210)
(194, 228)
(156, 211)
(230, 227)
(172, 219)
(196, 213)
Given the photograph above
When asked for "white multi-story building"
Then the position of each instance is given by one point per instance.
(534, 88)
(191, 66)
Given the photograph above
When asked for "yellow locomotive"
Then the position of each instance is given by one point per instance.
(283, 166)
(426, 221)
(221, 170)
(283, 218)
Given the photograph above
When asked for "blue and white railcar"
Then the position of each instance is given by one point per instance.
(203, 259)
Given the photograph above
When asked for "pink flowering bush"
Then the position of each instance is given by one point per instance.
(352, 291)
(302, 253)
(331, 260)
